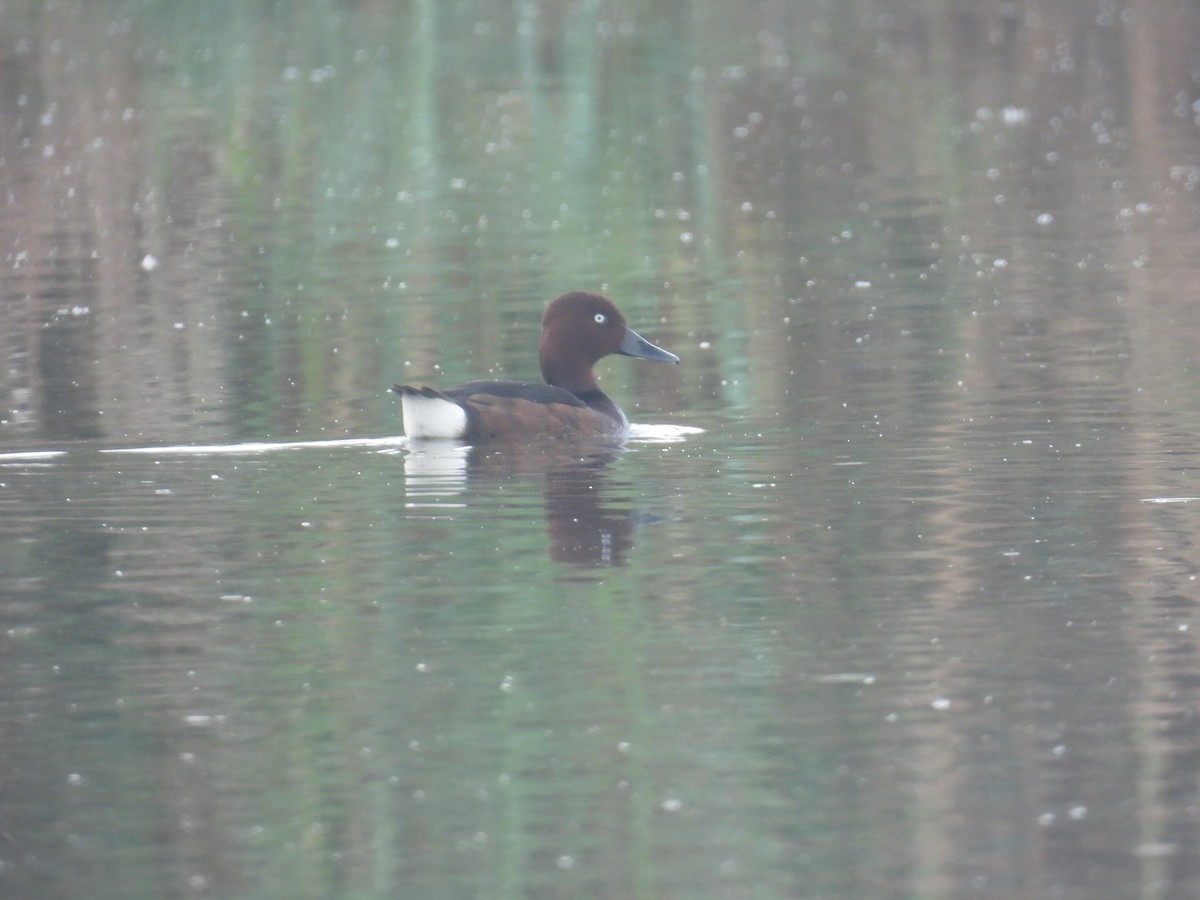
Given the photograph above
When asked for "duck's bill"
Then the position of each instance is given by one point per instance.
(636, 345)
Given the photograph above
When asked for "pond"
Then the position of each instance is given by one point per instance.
(891, 593)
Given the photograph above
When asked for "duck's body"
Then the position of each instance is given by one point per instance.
(578, 329)
(507, 410)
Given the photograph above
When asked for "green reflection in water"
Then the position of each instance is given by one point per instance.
(930, 272)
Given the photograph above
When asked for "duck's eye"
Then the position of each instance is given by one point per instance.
(599, 318)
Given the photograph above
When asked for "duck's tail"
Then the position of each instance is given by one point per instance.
(430, 414)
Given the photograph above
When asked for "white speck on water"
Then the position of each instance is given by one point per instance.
(566, 861)
(847, 678)
(202, 720)
(862, 284)
(1078, 813)
(672, 804)
(623, 746)
(941, 703)
(75, 779)
(149, 262)
(1153, 849)
(1046, 819)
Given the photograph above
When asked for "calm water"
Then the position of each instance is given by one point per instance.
(914, 615)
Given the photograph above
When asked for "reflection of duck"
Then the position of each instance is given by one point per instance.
(584, 526)
(578, 329)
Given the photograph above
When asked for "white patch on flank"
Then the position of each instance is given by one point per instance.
(432, 417)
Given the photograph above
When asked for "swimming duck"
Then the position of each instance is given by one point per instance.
(578, 329)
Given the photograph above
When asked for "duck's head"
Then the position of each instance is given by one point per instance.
(578, 329)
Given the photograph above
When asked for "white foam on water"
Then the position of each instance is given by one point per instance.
(260, 447)
(30, 456)
(661, 434)
(638, 433)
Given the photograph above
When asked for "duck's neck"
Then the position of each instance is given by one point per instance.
(584, 386)
(592, 396)
(570, 377)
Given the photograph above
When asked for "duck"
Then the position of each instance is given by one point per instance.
(578, 329)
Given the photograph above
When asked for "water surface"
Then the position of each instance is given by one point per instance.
(891, 595)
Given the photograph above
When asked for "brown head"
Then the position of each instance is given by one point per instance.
(578, 330)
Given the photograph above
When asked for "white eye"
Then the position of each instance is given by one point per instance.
(599, 318)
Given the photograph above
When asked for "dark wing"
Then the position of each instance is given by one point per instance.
(506, 390)
(514, 390)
